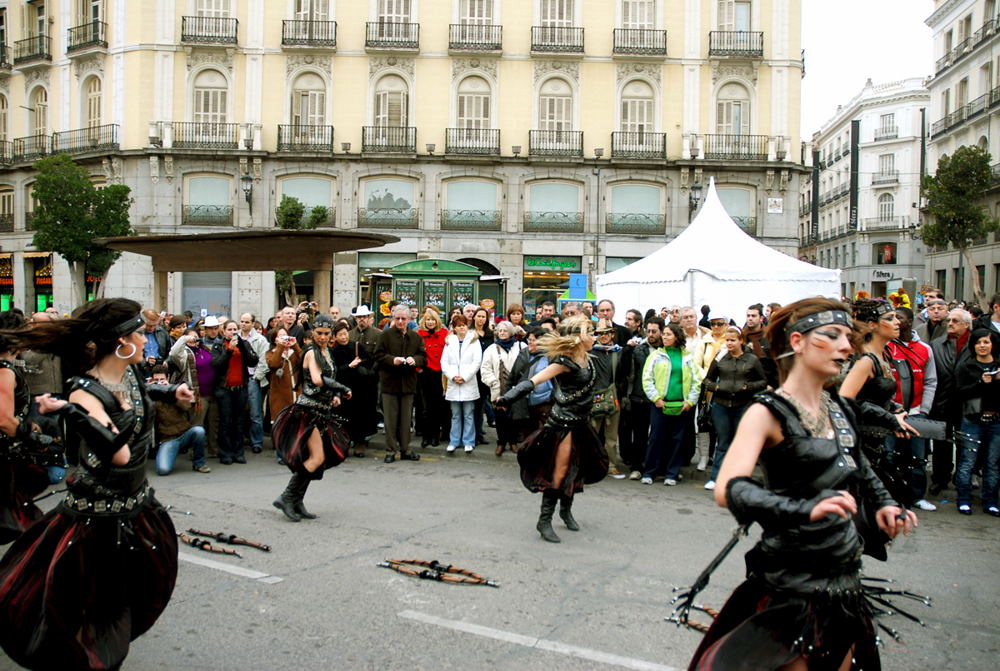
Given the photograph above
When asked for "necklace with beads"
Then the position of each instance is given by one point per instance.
(816, 425)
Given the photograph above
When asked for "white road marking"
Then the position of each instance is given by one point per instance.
(540, 643)
(235, 570)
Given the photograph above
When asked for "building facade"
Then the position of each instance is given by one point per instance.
(868, 173)
(529, 138)
(965, 101)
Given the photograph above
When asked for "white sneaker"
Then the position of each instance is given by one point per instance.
(450, 449)
(618, 476)
(702, 464)
(710, 485)
(468, 449)
(634, 475)
(924, 504)
(647, 481)
(669, 482)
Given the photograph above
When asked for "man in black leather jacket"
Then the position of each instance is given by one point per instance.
(635, 406)
(950, 350)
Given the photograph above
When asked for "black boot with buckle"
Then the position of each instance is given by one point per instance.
(566, 513)
(286, 502)
(544, 526)
(300, 493)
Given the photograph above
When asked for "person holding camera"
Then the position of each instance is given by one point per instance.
(399, 353)
(232, 359)
(978, 378)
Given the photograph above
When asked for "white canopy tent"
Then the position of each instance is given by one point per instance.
(714, 262)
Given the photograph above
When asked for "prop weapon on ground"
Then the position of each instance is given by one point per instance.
(232, 539)
(170, 507)
(681, 613)
(206, 546)
(434, 570)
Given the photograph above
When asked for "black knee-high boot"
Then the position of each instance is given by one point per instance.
(544, 526)
(566, 513)
(300, 493)
(286, 502)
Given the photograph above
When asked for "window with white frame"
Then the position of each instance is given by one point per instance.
(208, 190)
(210, 100)
(391, 101)
(638, 14)
(36, 21)
(734, 15)
(308, 100)
(472, 202)
(739, 204)
(473, 103)
(554, 202)
(212, 8)
(394, 11)
(989, 10)
(39, 111)
(555, 105)
(312, 10)
(3, 26)
(732, 110)
(88, 11)
(887, 165)
(92, 104)
(312, 191)
(635, 208)
(886, 207)
(556, 13)
(886, 123)
(637, 107)
(475, 12)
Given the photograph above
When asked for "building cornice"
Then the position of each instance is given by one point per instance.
(941, 11)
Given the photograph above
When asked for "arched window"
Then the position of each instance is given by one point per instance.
(732, 116)
(92, 102)
(389, 203)
(310, 190)
(555, 105)
(471, 205)
(886, 207)
(308, 100)
(637, 108)
(473, 103)
(554, 207)
(391, 101)
(211, 92)
(39, 111)
(636, 209)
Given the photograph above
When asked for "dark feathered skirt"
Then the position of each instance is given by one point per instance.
(588, 462)
(20, 483)
(290, 433)
(75, 589)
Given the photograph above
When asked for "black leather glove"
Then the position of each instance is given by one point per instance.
(162, 393)
(875, 416)
(337, 387)
(99, 439)
(519, 390)
(749, 501)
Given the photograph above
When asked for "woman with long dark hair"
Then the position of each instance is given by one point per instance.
(978, 383)
(352, 363)
(96, 571)
(307, 435)
(566, 453)
(484, 334)
(802, 605)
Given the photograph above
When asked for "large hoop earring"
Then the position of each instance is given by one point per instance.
(127, 356)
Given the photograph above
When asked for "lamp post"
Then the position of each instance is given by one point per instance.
(246, 181)
(694, 198)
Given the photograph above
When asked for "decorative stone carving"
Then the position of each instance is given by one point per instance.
(168, 167)
(698, 176)
(570, 69)
(154, 169)
(34, 77)
(462, 65)
(685, 173)
(244, 165)
(222, 58)
(295, 62)
(379, 63)
(116, 170)
(258, 170)
(744, 70)
(651, 71)
(86, 65)
(783, 184)
(769, 180)
(106, 168)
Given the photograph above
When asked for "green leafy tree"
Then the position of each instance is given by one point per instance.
(290, 215)
(70, 212)
(318, 217)
(955, 196)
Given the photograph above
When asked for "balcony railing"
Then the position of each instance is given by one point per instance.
(85, 140)
(208, 30)
(305, 138)
(6, 223)
(736, 147)
(207, 215)
(388, 217)
(93, 34)
(397, 139)
(557, 39)
(553, 222)
(640, 42)
(736, 43)
(890, 133)
(6, 152)
(748, 224)
(555, 143)
(309, 33)
(637, 144)
(206, 135)
(34, 48)
(888, 177)
(4, 57)
(636, 223)
(470, 220)
(392, 35)
(481, 141)
(966, 46)
(31, 148)
(328, 222)
(886, 224)
(475, 37)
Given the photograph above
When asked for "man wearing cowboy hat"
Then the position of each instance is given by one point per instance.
(363, 331)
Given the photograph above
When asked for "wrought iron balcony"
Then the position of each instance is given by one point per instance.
(640, 42)
(206, 135)
(885, 178)
(208, 30)
(392, 35)
(6, 152)
(6, 223)
(557, 39)
(305, 138)
(329, 222)
(736, 43)
(388, 217)
(553, 222)
(888, 133)
(475, 37)
(555, 143)
(637, 144)
(470, 220)
(886, 224)
(37, 48)
(4, 57)
(93, 34)
(736, 147)
(309, 34)
(481, 141)
(397, 139)
(31, 148)
(636, 223)
(967, 46)
(748, 224)
(86, 140)
(207, 215)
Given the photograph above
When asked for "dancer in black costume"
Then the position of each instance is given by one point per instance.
(802, 605)
(97, 571)
(307, 435)
(566, 453)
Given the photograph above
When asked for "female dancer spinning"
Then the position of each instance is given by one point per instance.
(802, 605)
(95, 572)
(306, 434)
(566, 452)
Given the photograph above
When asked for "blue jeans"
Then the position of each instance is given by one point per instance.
(910, 455)
(232, 402)
(973, 436)
(666, 437)
(256, 408)
(463, 426)
(725, 421)
(193, 439)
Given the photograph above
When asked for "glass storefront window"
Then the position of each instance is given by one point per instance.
(545, 278)
(613, 263)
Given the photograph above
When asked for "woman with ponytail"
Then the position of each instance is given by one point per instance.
(96, 572)
(566, 453)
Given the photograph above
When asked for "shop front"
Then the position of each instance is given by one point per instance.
(6, 282)
(546, 278)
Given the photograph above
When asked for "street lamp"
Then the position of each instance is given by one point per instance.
(693, 199)
(246, 181)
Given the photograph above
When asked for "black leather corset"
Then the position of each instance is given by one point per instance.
(322, 395)
(572, 392)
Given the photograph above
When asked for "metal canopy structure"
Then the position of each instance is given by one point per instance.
(247, 250)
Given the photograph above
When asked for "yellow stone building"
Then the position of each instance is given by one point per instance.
(530, 138)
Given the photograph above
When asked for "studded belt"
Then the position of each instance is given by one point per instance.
(109, 506)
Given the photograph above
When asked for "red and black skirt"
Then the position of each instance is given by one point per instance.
(20, 483)
(291, 430)
(588, 461)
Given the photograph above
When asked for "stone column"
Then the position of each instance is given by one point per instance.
(321, 289)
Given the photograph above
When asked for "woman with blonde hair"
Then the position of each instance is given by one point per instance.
(566, 453)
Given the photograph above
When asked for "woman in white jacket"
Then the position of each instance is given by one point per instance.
(459, 363)
(498, 361)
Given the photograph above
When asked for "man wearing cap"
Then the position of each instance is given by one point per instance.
(364, 332)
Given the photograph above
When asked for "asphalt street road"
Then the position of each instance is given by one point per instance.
(594, 602)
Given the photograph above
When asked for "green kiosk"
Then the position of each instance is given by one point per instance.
(444, 284)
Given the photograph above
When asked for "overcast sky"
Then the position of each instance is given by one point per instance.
(848, 41)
